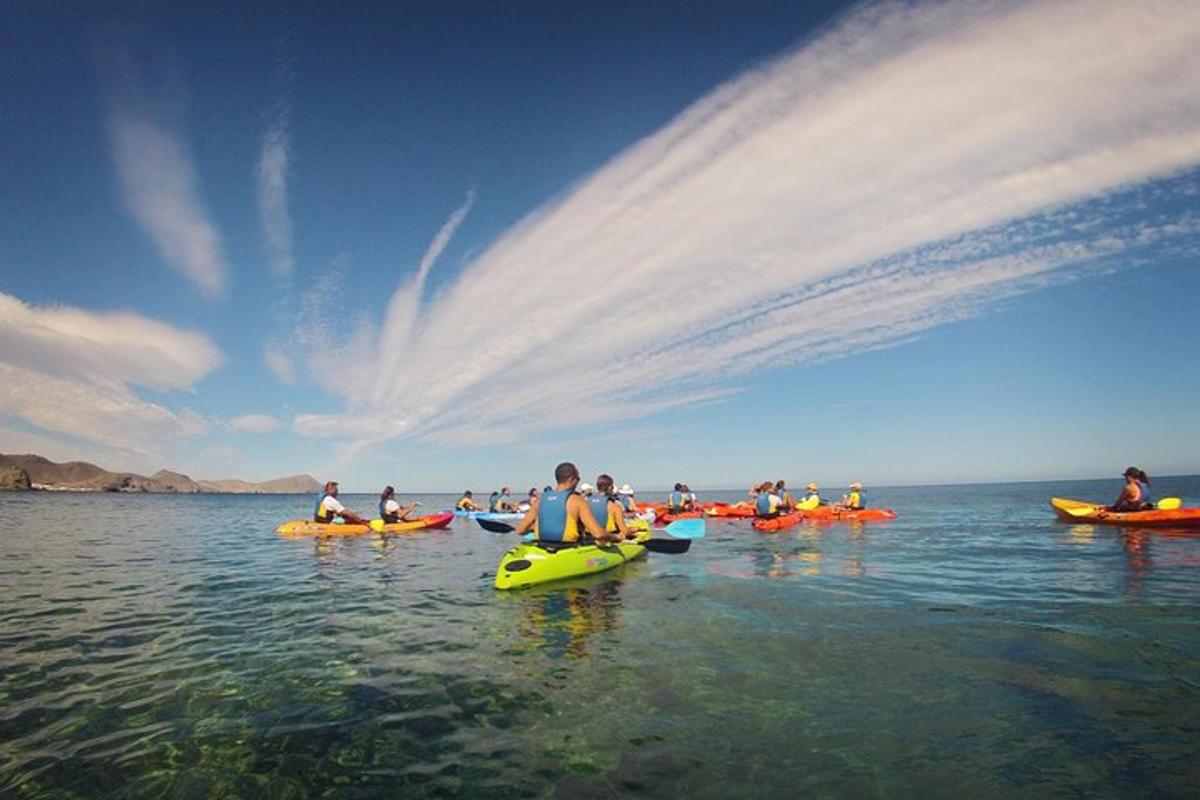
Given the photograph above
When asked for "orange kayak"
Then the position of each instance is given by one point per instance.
(304, 527)
(780, 523)
(862, 514)
(1075, 511)
(735, 511)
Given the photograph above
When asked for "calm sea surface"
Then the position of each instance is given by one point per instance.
(974, 647)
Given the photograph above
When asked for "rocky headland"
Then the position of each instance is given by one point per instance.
(27, 471)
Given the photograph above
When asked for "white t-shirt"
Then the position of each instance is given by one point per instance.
(331, 505)
(390, 506)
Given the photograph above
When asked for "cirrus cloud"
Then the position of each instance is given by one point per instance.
(909, 167)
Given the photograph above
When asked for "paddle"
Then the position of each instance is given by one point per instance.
(653, 545)
(1168, 504)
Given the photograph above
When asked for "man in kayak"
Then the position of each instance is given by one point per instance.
(606, 508)
(501, 502)
(391, 511)
(813, 498)
(329, 510)
(1135, 495)
(466, 503)
(562, 515)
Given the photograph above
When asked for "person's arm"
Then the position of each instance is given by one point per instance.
(404, 511)
(586, 518)
(617, 514)
(527, 521)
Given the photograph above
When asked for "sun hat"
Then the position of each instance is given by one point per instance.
(856, 485)
(811, 486)
(626, 489)
(586, 487)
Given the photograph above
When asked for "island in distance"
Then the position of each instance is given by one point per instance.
(35, 472)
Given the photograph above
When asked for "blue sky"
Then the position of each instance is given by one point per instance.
(450, 246)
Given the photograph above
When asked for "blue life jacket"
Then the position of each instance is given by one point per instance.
(599, 506)
(1145, 490)
(553, 522)
(627, 502)
(763, 505)
(675, 501)
(494, 502)
(319, 511)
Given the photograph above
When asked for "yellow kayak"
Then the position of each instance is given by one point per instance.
(305, 527)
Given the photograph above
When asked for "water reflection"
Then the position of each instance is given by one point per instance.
(563, 621)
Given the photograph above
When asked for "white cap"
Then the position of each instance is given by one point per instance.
(585, 487)
(626, 489)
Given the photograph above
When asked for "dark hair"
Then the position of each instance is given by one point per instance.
(1137, 474)
(547, 489)
(565, 472)
(329, 485)
(533, 492)
(678, 487)
(604, 483)
(388, 491)
(467, 493)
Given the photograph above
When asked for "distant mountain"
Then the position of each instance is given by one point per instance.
(81, 476)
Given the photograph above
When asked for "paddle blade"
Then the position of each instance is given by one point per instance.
(1168, 504)
(376, 525)
(1081, 511)
(495, 527)
(687, 528)
(667, 545)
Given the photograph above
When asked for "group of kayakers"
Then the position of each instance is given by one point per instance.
(771, 499)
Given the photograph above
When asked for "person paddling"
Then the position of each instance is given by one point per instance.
(561, 515)
(813, 498)
(467, 503)
(329, 510)
(391, 511)
(782, 492)
(1135, 495)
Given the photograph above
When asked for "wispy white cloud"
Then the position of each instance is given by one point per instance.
(273, 212)
(279, 363)
(913, 164)
(254, 423)
(72, 372)
(162, 192)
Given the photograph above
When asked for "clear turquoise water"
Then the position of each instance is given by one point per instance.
(175, 646)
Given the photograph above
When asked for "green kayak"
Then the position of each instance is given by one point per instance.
(533, 563)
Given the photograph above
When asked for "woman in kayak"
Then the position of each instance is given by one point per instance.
(768, 505)
(606, 508)
(390, 510)
(854, 500)
(1135, 495)
(625, 496)
(561, 515)
(501, 502)
(329, 510)
(465, 503)
(782, 492)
